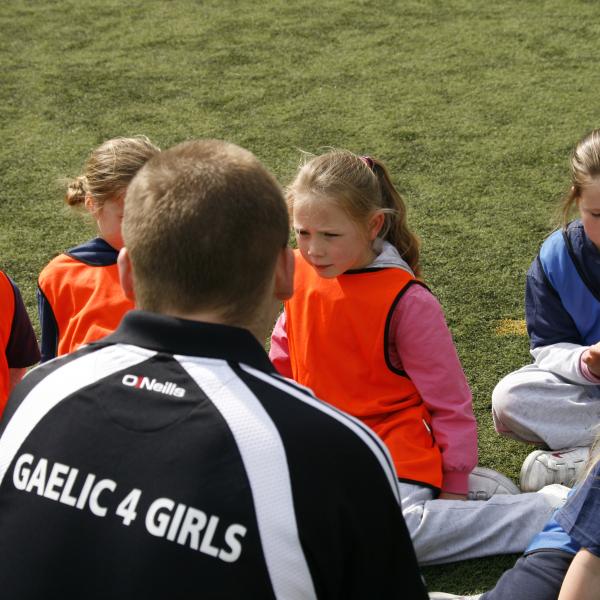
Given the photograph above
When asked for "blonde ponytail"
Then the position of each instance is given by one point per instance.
(360, 185)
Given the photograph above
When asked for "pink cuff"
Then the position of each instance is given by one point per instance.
(585, 371)
(455, 482)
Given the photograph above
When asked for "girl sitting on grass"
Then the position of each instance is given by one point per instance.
(368, 337)
(555, 401)
(79, 296)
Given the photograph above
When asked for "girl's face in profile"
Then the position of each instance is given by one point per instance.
(329, 240)
(108, 219)
(589, 211)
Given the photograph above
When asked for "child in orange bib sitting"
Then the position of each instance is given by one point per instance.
(367, 336)
(18, 346)
(79, 296)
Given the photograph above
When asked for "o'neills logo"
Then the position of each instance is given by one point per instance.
(146, 383)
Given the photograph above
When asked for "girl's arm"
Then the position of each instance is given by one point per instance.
(564, 359)
(22, 348)
(421, 344)
(556, 344)
(582, 581)
(279, 352)
(49, 327)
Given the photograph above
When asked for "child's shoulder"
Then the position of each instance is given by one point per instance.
(572, 235)
(57, 265)
(417, 305)
(95, 252)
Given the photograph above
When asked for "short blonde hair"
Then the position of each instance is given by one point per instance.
(204, 224)
(110, 169)
(360, 185)
(585, 168)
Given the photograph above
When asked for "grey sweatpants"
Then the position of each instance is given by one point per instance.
(539, 407)
(449, 530)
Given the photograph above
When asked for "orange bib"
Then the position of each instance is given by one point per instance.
(337, 332)
(87, 301)
(7, 313)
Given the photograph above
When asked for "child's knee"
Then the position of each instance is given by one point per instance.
(517, 402)
(505, 400)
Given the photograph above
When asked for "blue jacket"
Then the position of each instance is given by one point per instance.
(562, 299)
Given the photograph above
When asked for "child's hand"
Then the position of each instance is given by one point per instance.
(449, 496)
(591, 357)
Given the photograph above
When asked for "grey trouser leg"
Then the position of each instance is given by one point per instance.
(539, 407)
(449, 530)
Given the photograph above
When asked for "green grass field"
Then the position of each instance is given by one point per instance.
(473, 105)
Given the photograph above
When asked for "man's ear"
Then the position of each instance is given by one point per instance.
(284, 274)
(126, 274)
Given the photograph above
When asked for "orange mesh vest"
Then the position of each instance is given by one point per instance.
(337, 335)
(7, 312)
(88, 301)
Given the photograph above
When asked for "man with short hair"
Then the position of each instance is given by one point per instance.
(169, 460)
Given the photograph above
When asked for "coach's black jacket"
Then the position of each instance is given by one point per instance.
(169, 460)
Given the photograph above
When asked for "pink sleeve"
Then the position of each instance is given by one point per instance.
(421, 344)
(279, 352)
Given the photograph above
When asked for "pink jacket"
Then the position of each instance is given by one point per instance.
(420, 343)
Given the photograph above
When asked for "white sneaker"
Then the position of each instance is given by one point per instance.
(543, 467)
(484, 483)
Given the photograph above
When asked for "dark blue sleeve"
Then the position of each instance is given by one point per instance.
(22, 348)
(579, 516)
(548, 322)
(48, 326)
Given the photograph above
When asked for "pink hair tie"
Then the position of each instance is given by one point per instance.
(368, 161)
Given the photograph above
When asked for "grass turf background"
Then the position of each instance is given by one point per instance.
(473, 105)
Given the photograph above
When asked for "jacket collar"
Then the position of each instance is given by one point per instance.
(96, 253)
(191, 338)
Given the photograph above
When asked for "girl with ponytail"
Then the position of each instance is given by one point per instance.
(368, 336)
(79, 296)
